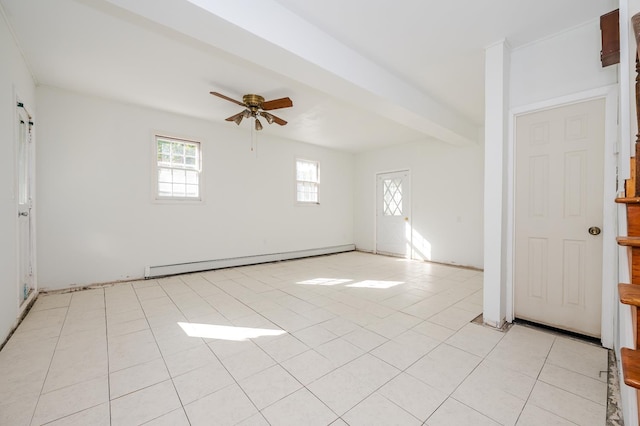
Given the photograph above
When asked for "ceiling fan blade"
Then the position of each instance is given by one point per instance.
(220, 95)
(272, 118)
(277, 103)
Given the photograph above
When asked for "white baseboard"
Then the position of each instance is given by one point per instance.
(206, 265)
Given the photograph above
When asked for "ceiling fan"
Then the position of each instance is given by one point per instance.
(255, 106)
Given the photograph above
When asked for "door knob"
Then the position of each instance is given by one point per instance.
(594, 230)
(23, 214)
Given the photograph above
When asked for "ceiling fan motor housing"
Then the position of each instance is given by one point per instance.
(253, 102)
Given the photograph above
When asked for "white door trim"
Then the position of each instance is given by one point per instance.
(609, 229)
(32, 219)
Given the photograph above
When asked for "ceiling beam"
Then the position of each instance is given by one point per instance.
(265, 33)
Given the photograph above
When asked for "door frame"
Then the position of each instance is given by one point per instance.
(32, 194)
(609, 229)
(375, 209)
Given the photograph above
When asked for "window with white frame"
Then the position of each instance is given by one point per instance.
(307, 181)
(178, 169)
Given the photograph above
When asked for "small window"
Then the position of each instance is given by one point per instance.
(178, 169)
(307, 181)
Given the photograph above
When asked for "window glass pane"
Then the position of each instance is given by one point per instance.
(179, 190)
(192, 178)
(392, 197)
(164, 175)
(179, 176)
(307, 171)
(177, 148)
(192, 190)
(164, 189)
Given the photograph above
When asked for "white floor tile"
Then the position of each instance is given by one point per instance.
(453, 413)
(268, 386)
(185, 361)
(71, 399)
(201, 382)
(300, 408)
(377, 410)
(144, 405)
(308, 366)
(476, 339)
(314, 336)
(339, 351)
(580, 357)
(283, 347)
(497, 393)
(567, 405)
(132, 349)
(586, 387)
(365, 339)
(414, 396)
(444, 368)
(174, 418)
(247, 363)
(534, 416)
(228, 406)
(94, 416)
(453, 318)
(339, 390)
(137, 377)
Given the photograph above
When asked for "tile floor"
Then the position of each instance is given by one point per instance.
(353, 339)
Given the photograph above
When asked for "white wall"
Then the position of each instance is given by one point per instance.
(97, 219)
(563, 64)
(446, 197)
(15, 80)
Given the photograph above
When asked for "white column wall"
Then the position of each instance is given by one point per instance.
(497, 64)
(97, 219)
(15, 80)
(446, 198)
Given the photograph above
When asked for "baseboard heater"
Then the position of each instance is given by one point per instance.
(206, 265)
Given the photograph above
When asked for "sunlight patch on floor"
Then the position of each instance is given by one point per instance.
(224, 332)
(375, 284)
(325, 281)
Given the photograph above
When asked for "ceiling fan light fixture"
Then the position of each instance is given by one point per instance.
(269, 117)
(238, 119)
(258, 125)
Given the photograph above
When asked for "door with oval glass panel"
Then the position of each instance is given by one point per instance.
(393, 214)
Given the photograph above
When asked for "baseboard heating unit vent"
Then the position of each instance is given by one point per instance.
(206, 265)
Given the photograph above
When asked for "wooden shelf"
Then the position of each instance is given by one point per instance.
(629, 294)
(631, 367)
(628, 241)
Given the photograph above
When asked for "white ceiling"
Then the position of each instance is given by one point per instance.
(362, 74)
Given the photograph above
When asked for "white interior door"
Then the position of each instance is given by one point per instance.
(24, 189)
(558, 202)
(393, 210)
